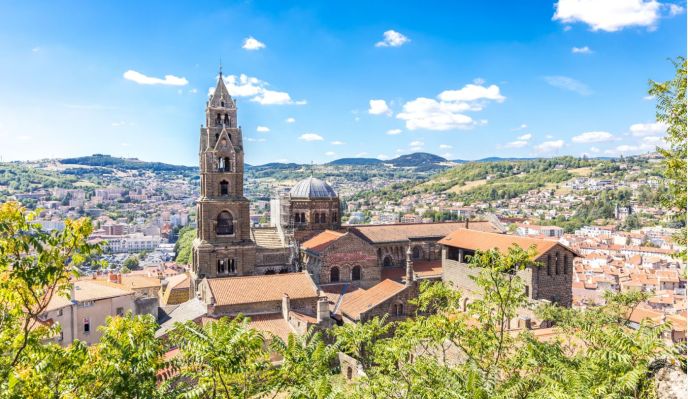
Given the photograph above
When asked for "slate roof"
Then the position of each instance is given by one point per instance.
(311, 188)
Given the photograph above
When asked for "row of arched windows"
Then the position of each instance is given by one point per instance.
(226, 266)
(355, 274)
(222, 119)
(317, 217)
(556, 267)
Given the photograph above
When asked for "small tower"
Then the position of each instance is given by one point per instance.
(409, 267)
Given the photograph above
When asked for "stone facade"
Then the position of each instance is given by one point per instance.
(551, 281)
(347, 259)
(311, 214)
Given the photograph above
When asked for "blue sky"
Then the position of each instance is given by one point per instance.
(336, 79)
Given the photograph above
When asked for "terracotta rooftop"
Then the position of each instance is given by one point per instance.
(272, 323)
(405, 231)
(359, 301)
(484, 241)
(322, 240)
(132, 282)
(178, 281)
(87, 290)
(264, 288)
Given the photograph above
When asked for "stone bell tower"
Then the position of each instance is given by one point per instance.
(223, 245)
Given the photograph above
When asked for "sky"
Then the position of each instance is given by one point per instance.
(318, 81)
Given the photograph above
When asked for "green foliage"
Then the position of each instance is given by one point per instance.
(223, 359)
(183, 246)
(131, 263)
(671, 110)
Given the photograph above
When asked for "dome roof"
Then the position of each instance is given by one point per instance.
(312, 188)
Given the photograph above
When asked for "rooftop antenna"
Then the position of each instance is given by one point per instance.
(220, 67)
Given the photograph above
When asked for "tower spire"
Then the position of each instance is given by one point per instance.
(220, 68)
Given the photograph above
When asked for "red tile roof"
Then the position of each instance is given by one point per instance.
(484, 241)
(322, 240)
(264, 288)
(359, 301)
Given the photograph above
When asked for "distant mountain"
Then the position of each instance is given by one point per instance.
(275, 166)
(355, 161)
(109, 161)
(417, 159)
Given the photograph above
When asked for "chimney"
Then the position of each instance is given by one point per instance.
(323, 311)
(409, 267)
(286, 305)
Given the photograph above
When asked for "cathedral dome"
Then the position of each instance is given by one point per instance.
(312, 188)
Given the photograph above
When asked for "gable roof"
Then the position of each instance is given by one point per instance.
(361, 300)
(321, 241)
(264, 288)
(479, 240)
(383, 233)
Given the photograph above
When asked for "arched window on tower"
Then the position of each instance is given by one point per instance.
(221, 266)
(223, 165)
(356, 273)
(334, 217)
(226, 119)
(303, 217)
(317, 217)
(297, 217)
(224, 187)
(222, 103)
(225, 224)
(334, 275)
(323, 218)
(218, 119)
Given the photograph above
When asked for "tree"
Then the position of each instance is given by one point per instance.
(35, 265)
(223, 359)
(131, 263)
(183, 246)
(671, 110)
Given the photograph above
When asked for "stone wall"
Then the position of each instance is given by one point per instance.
(306, 306)
(540, 284)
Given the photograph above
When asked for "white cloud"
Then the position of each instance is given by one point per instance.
(526, 136)
(675, 9)
(271, 97)
(361, 154)
(648, 129)
(252, 140)
(169, 80)
(594, 150)
(382, 157)
(193, 91)
(24, 137)
(608, 15)
(379, 107)
(393, 132)
(330, 153)
(449, 112)
(593, 137)
(445, 146)
(447, 155)
(649, 97)
(392, 38)
(311, 137)
(337, 142)
(570, 84)
(252, 44)
(523, 126)
(290, 120)
(417, 143)
(35, 49)
(262, 129)
(516, 144)
(472, 92)
(118, 124)
(549, 146)
(581, 50)
(248, 86)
